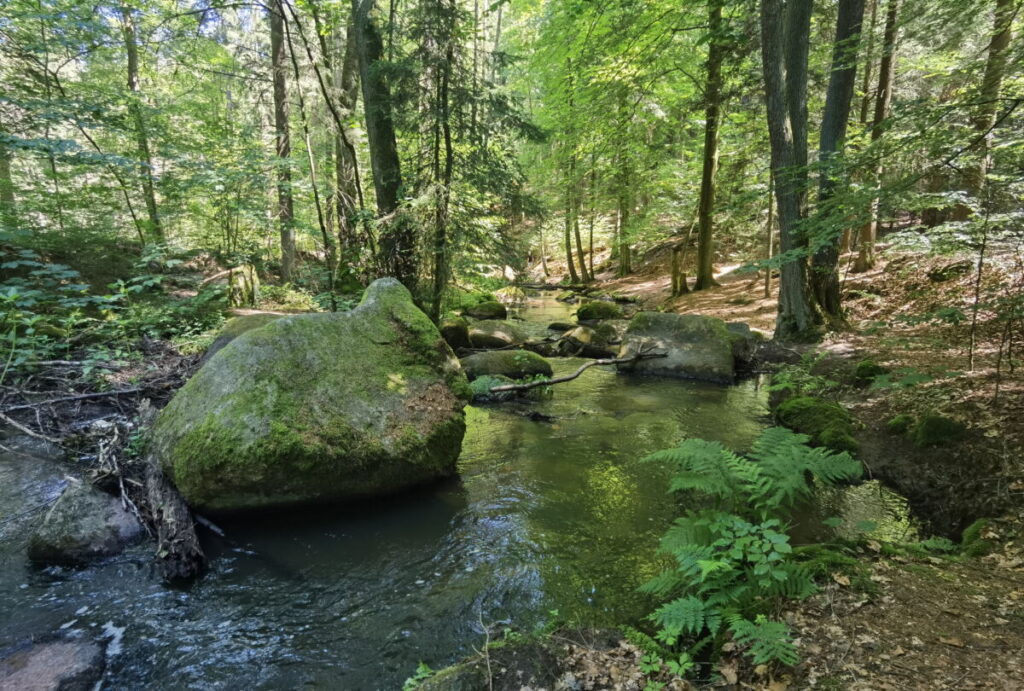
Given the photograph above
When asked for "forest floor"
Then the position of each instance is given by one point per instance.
(920, 622)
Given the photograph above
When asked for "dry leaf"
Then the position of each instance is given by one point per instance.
(729, 671)
(840, 578)
(955, 642)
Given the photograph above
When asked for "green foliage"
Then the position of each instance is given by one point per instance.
(598, 309)
(972, 542)
(423, 672)
(900, 424)
(733, 559)
(866, 371)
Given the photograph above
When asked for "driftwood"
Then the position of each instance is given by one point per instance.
(79, 397)
(178, 552)
(642, 355)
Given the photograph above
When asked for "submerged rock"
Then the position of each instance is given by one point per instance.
(318, 408)
(235, 327)
(487, 310)
(514, 364)
(587, 342)
(64, 665)
(696, 346)
(83, 523)
(495, 334)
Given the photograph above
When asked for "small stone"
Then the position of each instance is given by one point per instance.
(64, 665)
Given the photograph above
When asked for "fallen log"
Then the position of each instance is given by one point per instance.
(642, 355)
(178, 552)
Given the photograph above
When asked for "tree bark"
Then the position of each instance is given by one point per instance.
(345, 164)
(285, 205)
(443, 173)
(156, 232)
(883, 100)
(991, 84)
(8, 203)
(574, 277)
(838, 102)
(797, 36)
(397, 240)
(706, 209)
(796, 319)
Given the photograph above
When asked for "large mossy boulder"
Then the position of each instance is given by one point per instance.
(83, 524)
(695, 346)
(487, 310)
(495, 334)
(455, 331)
(514, 364)
(318, 408)
(598, 309)
(235, 327)
(827, 423)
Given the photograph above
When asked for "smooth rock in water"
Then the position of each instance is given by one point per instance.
(745, 342)
(514, 364)
(487, 310)
(235, 327)
(561, 326)
(65, 665)
(495, 334)
(318, 408)
(587, 342)
(455, 331)
(697, 346)
(82, 524)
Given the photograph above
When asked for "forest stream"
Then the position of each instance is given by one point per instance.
(555, 519)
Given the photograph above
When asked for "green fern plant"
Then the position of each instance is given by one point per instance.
(732, 556)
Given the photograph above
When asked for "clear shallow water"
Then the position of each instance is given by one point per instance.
(546, 515)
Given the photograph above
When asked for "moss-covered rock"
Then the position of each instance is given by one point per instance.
(598, 309)
(514, 364)
(937, 430)
(696, 346)
(487, 310)
(828, 424)
(899, 424)
(511, 294)
(235, 327)
(495, 334)
(455, 331)
(561, 326)
(865, 372)
(973, 540)
(318, 408)
(587, 342)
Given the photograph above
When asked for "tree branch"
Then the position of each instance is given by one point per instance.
(642, 355)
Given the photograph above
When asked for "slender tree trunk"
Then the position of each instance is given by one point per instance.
(796, 319)
(838, 101)
(584, 274)
(155, 229)
(8, 203)
(797, 17)
(345, 164)
(573, 276)
(593, 209)
(285, 206)
(397, 240)
(443, 176)
(770, 244)
(706, 209)
(991, 84)
(883, 100)
(869, 57)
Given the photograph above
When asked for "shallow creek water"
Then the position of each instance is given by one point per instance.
(545, 516)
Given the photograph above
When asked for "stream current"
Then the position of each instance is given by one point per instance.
(547, 519)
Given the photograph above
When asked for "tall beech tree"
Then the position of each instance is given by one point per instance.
(282, 137)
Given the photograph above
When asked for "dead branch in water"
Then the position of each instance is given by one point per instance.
(642, 355)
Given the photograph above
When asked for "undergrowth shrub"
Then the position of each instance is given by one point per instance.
(733, 562)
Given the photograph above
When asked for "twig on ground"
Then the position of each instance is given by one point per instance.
(78, 397)
(642, 355)
(22, 428)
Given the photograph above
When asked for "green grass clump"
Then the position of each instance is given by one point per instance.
(937, 430)
(827, 423)
(900, 424)
(971, 541)
(866, 371)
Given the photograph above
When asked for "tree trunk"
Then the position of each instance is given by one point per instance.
(346, 78)
(883, 99)
(706, 209)
(770, 243)
(838, 101)
(155, 229)
(584, 274)
(285, 207)
(443, 177)
(8, 203)
(573, 276)
(991, 84)
(797, 17)
(796, 319)
(397, 241)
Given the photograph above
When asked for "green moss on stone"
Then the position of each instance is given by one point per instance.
(972, 542)
(865, 372)
(487, 310)
(900, 423)
(827, 423)
(515, 364)
(937, 430)
(598, 309)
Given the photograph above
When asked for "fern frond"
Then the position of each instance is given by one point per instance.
(684, 615)
(768, 641)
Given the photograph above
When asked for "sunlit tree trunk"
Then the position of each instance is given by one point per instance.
(796, 319)
(155, 229)
(712, 116)
(346, 195)
(570, 262)
(883, 100)
(285, 206)
(8, 203)
(838, 101)
(991, 84)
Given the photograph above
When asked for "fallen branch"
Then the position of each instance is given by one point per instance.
(65, 399)
(27, 431)
(179, 554)
(642, 355)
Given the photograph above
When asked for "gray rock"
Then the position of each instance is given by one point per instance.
(696, 346)
(588, 342)
(83, 523)
(67, 665)
(317, 408)
(745, 342)
(514, 364)
(234, 328)
(495, 334)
